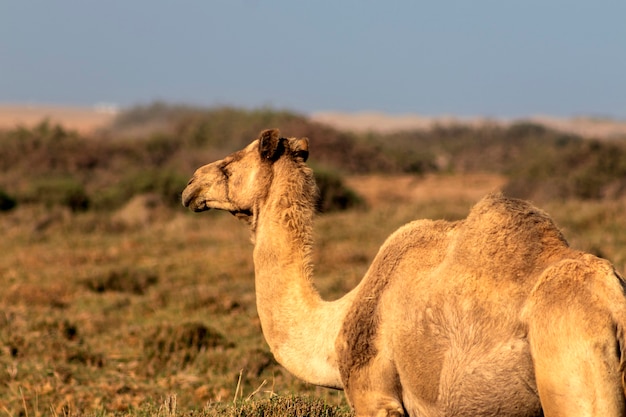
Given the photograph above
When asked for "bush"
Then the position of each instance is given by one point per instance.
(161, 148)
(6, 201)
(58, 191)
(133, 281)
(147, 149)
(166, 183)
(334, 195)
(179, 344)
(562, 167)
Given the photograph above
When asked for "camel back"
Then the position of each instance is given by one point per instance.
(507, 239)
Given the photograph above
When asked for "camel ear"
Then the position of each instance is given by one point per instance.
(300, 148)
(270, 146)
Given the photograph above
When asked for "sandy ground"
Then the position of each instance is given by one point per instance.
(381, 122)
(82, 119)
(88, 119)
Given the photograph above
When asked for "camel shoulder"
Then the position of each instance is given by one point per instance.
(428, 239)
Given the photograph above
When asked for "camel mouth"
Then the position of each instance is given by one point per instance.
(241, 214)
(198, 204)
(198, 208)
(194, 204)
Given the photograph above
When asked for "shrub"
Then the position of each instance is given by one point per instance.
(179, 344)
(58, 191)
(127, 280)
(561, 167)
(334, 195)
(6, 201)
(148, 147)
(166, 183)
(160, 148)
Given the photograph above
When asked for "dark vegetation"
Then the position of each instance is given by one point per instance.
(154, 149)
(117, 301)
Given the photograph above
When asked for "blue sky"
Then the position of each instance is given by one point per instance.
(466, 58)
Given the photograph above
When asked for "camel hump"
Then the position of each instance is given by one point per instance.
(508, 236)
(497, 213)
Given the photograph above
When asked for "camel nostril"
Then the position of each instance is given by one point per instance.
(187, 197)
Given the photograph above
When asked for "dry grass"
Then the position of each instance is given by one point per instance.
(117, 319)
(100, 320)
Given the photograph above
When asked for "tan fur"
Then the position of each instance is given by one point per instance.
(490, 316)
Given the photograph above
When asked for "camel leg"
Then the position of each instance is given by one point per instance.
(374, 392)
(573, 342)
(376, 405)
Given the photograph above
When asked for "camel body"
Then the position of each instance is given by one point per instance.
(494, 315)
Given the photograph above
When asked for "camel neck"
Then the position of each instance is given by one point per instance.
(299, 326)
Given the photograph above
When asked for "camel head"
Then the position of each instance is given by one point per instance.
(240, 182)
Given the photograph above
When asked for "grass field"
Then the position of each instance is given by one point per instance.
(102, 318)
(142, 308)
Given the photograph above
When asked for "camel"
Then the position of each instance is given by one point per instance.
(493, 315)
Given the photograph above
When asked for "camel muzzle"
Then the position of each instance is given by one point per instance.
(190, 200)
